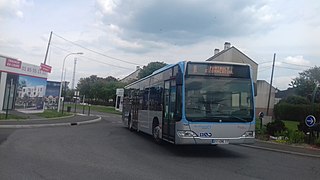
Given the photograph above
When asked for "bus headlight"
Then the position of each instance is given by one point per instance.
(249, 134)
(186, 134)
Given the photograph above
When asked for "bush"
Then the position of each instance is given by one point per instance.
(295, 112)
(317, 142)
(296, 137)
(275, 127)
(294, 99)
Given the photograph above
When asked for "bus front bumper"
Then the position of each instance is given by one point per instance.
(215, 141)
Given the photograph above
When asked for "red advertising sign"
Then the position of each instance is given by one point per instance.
(45, 68)
(13, 63)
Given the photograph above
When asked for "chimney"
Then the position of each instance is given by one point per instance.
(216, 51)
(227, 45)
(138, 67)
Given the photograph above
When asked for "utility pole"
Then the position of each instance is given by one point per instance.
(74, 73)
(274, 59)
(45, 58)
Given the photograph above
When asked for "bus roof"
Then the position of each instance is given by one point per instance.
(156, 72)
(181, 63)
(219, 62)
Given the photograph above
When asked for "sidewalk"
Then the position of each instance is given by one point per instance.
(33, 120)
(286, 148)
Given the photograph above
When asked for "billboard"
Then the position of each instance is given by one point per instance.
(52, 94)
(30, 93)
(14, 66)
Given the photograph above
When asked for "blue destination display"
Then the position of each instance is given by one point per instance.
(222, 70)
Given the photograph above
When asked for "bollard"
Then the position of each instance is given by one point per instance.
(261, 115)
(89, 110)
(83, 109)
(62, 106)
(75, 107)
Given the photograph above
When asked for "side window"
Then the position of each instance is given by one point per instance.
(155, 97)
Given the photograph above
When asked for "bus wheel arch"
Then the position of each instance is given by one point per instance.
(156, 130)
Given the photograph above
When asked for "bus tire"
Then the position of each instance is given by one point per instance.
(156, 130)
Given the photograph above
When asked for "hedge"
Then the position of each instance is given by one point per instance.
(295, 112)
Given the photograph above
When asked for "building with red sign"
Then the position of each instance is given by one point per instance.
(22, 85)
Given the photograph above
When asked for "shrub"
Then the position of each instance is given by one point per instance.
(275, 127)
(317, 142)
(295, 112)
(296, 137)
(294, 99)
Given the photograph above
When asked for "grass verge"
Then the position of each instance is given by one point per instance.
(98, 108)
(10, 116)
(291, 125)
(52, 114)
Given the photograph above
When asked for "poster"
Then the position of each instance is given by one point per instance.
(30, 93)
(52, 95)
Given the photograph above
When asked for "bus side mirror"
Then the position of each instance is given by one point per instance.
(255, 91)
(179, 78)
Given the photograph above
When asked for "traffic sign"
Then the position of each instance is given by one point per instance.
(45, 68)
(310, 120)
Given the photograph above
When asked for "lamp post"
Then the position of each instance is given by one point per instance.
(64, 60)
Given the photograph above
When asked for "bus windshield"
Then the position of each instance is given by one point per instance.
(218, 99)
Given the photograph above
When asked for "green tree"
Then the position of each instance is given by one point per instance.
(150, 68)
(99, 89)
(85, 86)
(294, 99)
(307, 81)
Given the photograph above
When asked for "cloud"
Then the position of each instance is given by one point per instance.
(13, 8)
(185, 22)
(297, 60)
(283, 82)
(106, 6)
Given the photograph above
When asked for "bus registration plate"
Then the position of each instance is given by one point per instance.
(220, 141)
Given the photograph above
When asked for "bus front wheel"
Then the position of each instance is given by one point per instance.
(156, 133)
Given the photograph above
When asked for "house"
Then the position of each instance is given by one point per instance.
(32, 91)
(131, 77)
(232, 54)
(263, 88)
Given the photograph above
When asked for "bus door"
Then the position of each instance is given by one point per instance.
(168, 130)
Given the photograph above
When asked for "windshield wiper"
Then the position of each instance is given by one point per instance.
(238, 118)
(226, 116)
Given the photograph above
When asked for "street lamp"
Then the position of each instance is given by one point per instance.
(64, 60)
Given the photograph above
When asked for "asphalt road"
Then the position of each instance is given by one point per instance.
(107, 150)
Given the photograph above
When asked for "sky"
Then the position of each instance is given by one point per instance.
(116, 36)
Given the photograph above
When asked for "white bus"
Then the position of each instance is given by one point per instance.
(193, 103)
